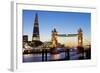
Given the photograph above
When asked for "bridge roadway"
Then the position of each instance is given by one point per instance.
(67, 35)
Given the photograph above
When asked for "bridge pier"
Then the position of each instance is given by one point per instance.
(44, 55)
(67, 55)
(81, 51)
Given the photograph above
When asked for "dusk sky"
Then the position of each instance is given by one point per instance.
(64, 22)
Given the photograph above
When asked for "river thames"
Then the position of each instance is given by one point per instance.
(73, 55)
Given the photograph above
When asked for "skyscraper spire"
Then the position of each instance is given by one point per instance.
(36, 18)
(36, 36)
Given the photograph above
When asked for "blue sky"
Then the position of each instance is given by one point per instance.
(64, 22)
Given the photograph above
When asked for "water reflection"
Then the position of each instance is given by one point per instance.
(55, 56)
(73, 55)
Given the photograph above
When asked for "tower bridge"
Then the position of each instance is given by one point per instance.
(55, 34)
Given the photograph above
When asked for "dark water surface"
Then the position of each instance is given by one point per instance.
(38, 57)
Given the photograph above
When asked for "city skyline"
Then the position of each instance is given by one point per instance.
(64, 22)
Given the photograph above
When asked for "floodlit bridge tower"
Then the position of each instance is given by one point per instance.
(54, 39)
(80, 38)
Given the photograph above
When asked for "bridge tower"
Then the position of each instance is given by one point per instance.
(80, 38)
(54, 38)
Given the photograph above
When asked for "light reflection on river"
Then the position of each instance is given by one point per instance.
(38, 57)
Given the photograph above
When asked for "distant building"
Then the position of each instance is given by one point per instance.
(25, 38)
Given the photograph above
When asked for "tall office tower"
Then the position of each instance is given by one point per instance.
(36, 36)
